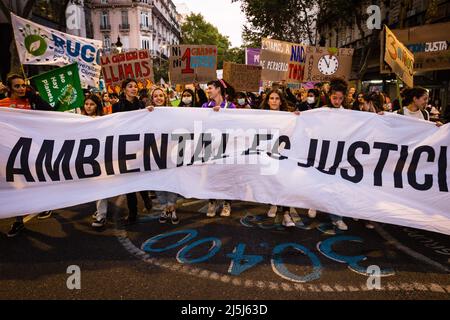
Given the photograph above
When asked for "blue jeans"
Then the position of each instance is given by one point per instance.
(166, 198)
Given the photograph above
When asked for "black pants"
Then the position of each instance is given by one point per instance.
(132, 203)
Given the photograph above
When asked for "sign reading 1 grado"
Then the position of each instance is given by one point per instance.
(189, 63)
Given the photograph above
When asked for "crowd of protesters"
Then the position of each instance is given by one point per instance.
(220, 95)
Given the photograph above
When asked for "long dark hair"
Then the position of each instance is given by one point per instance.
(98, 103)
(194, 98)
(411, 93)
(124, 85)
(225, 88)
(377, 100)
(265, 103)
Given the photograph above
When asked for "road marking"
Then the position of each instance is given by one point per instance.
(127, 244)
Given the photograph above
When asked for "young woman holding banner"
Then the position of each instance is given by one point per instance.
(275, 101)
(338, 92)
(168, 200)
(217, 91)
(93, 108)
(22, 96)
(415, 101)
(129, 101)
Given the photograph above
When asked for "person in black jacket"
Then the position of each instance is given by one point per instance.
(312, 101)
(129, 101)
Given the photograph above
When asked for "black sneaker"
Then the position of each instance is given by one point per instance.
(163, 217)
(45, 215)
(15, 229)
(174, 218)
(99, 223)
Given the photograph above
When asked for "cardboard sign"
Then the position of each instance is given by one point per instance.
(399, 58)
(242, 77)
(61, 87)
(429, 44)
(274, 59)
(135, 64)
(190, 63)
(297, 63)
(325, 63)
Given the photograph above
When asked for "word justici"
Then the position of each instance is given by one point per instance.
(150, 152)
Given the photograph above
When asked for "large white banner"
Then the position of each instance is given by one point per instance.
(40, 45)
(388, 168)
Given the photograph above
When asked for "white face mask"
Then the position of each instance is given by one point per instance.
(310, 100)
(187, 100)
(241, 102)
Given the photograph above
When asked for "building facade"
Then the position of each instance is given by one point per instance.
(396, 14)
(140, 24)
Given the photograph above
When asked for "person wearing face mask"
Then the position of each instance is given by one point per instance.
(241, 101)
(129, 101)
(187, 99)
(312, 101)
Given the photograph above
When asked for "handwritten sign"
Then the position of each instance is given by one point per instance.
(189, 63)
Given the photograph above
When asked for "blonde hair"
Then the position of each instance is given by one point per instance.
(166, 98)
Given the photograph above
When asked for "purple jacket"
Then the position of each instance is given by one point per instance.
(224, 104)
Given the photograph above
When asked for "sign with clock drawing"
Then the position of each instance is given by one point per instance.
(328, 65)
(300, 63)
(323, 63)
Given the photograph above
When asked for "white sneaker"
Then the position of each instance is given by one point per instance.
(340, 224)
(272, 213)
(226, 210)
(212, 207)
(312, 213)
(287, 220)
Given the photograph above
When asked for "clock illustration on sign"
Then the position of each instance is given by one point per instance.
(328, 64)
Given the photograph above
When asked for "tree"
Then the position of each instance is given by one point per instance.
(196, 30)
(286, 20)
(236, 55)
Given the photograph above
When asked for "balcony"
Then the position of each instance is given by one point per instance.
(145, 27)
(105, 27)
(124, 27)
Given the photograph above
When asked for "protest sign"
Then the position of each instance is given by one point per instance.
(61, 87)
(242, 77)
(399, 58)
(40, 45)
(397, 165)
(190, 63)
(136, 64)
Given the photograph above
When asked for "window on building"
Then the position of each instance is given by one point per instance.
(144, 19)
(104, 20)
(125, 17)
(145, 44)
(106, 42)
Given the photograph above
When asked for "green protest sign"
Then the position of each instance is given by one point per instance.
(61, 87)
